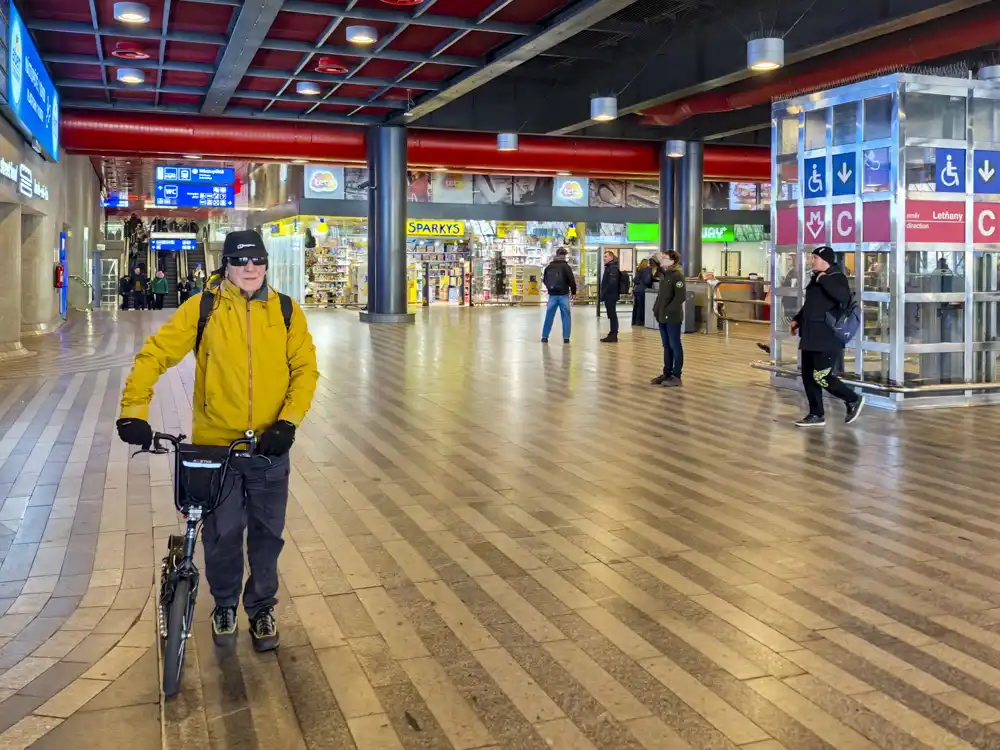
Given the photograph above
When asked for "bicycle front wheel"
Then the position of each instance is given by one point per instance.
(178, 627)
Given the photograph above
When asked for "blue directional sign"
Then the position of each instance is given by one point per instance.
(845, 178)
(814, 179)
(199, 175)
(32, 98)
(877, 170)
(986, 172)
(116, 200)
(172, 194)
(949, 170)
(173, 244)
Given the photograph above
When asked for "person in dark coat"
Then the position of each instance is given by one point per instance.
(137, 288)
(184, 289)
(669, 312)
(643, 281)
(123, 292)
(610, 292)
(560, 283)
(827, 294)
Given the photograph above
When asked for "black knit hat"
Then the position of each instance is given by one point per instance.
(827, 254)
(244, 243)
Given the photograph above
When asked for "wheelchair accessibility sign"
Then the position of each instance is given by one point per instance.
(949, 170)
(814, 179)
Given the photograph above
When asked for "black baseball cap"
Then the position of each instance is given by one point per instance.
(246, 243)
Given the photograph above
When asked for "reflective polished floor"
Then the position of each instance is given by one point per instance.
(493, 543)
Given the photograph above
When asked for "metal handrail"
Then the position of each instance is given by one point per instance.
(788, 373)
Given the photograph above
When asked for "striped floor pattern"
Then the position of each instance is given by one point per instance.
(493, 543)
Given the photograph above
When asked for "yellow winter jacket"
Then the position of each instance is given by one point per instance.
(250, 372)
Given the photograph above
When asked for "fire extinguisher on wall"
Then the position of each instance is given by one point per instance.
(59, 276)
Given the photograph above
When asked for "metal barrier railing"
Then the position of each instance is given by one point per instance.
(719, 302)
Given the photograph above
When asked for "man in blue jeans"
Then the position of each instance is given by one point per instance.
(560, 282)
(669, 312)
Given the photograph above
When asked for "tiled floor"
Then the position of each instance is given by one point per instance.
(496, 544)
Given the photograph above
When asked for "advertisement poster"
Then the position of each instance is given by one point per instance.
(451, 187)
(715, 196)
(571, 191)
(492, 190)
(324, 182)
(356, 184)
(418, 188)
(534, 191)
(31, 96)
(643, 194)
(607, 193)
(742, 196)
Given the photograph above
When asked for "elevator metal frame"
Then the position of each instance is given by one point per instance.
(897, 368)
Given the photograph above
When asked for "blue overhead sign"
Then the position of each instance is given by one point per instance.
(197, 175)
(32, 98)
(845, 179)
(174, 195)
(814, 180)
(173, 244)
(986, 171)
(116, 200)
(949, 170)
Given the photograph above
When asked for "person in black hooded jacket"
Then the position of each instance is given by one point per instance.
(827, 294)
(610, 292)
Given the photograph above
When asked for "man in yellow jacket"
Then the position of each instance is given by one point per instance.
(255, 368)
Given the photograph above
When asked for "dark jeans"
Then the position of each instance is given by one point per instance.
(139, 300)
(820, 370)
(673, 350)
(610, 307)
(255, 504)
(158, 301)
(639, 309)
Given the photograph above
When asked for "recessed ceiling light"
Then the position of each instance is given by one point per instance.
(362, 34)
(307, 88)
(440, 169)
(300, 161)
(192, 156)
(564, 174)
(128, 12)
(131, 76)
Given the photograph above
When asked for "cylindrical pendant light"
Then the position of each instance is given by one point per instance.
(603, 108)
(362, 35)
(130, 75)
(676, 148)
(507, 142)
(766, 53)
(307, 88)
(131, 12)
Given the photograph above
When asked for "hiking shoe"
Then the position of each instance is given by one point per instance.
(224, 626)
(811, 421)
(565, 341)
(264, 630)
(610, 339)
(854, 410)
(658, 380)
(672, 382)
(545, 341)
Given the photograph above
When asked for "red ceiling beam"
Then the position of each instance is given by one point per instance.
(970, 29)
(154, 135)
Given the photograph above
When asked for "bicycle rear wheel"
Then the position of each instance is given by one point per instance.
(178, 627)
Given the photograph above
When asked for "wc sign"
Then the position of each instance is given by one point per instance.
(986, 224)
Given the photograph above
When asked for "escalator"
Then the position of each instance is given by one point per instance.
(168, 263)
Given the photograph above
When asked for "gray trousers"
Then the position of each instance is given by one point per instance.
(255, 503)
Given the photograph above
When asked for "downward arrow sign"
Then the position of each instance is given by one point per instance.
(844, 174)
(815, 224)
(986, 171)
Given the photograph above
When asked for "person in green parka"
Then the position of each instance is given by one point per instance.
(159, 289)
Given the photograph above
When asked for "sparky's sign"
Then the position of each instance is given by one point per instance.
(421, 228)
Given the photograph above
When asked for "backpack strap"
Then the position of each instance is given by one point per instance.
(207, 304)
(205, 312)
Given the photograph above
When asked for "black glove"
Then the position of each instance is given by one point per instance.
(135, 432)
(277, 439)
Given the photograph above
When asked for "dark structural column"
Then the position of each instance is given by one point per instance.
(670, 169)
(387, 226)
(690, 208)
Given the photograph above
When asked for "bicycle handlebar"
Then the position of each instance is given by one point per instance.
(249, 439)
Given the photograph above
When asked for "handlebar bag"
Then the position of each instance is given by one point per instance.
(201, 469)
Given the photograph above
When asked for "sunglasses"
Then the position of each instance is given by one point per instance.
(257, 260)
